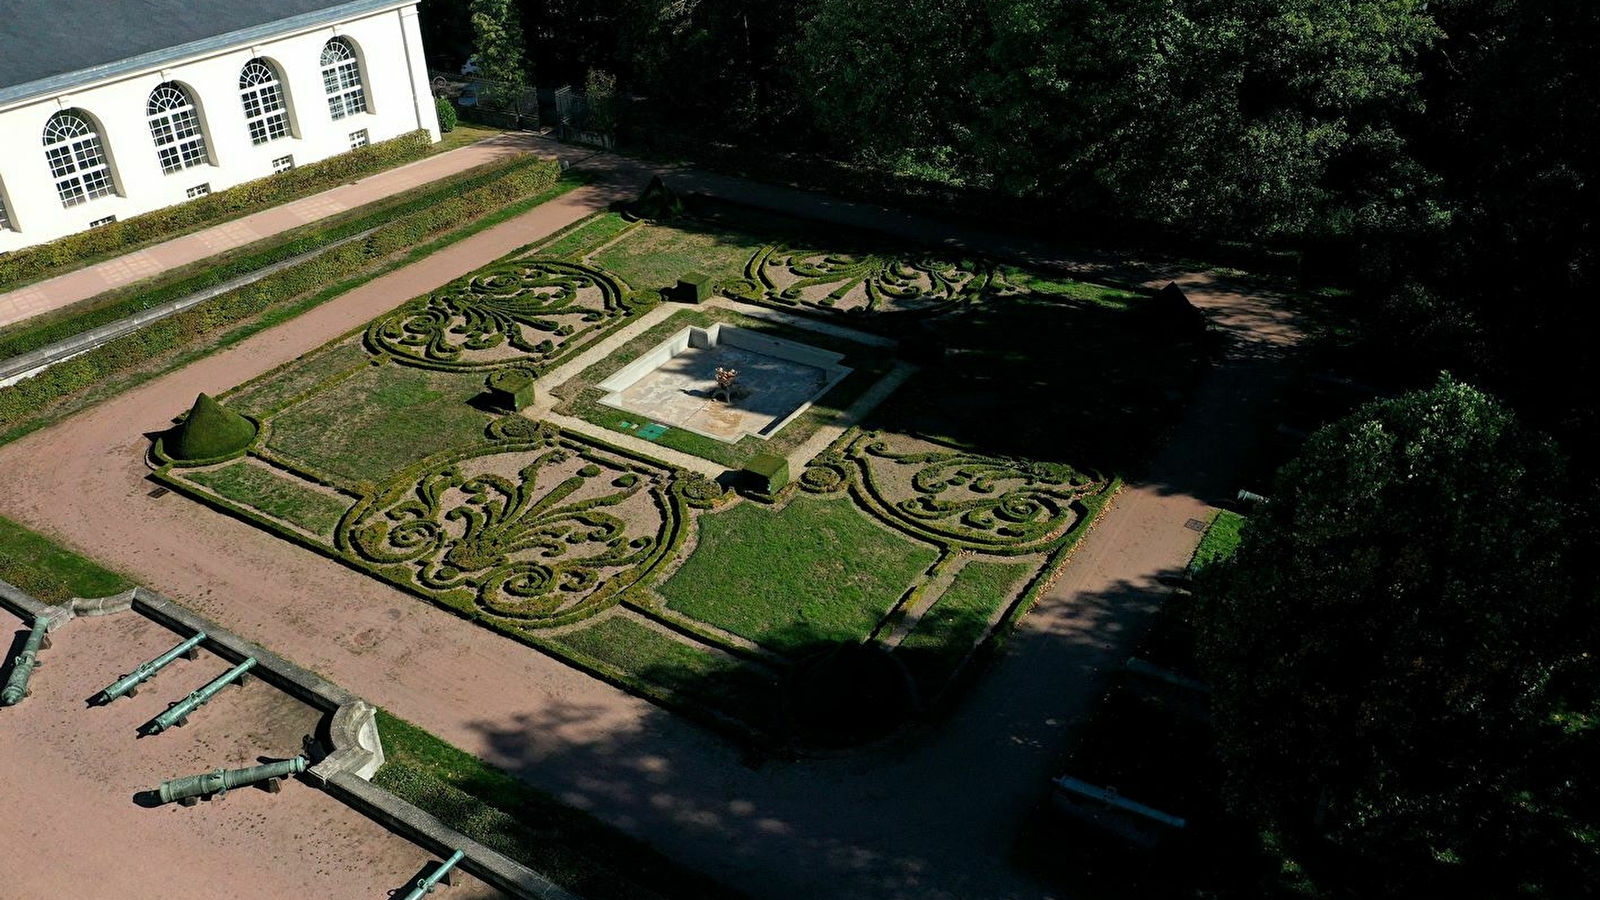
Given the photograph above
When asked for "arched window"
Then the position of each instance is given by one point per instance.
(175, 126)
(341, 77)
(261, 90)
(77, 161)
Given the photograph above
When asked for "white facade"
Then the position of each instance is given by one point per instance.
(153, 158)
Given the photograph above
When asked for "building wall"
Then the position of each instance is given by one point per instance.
(388, 45)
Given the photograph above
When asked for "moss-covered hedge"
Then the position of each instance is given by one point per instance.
(119, 237)
(320, 271)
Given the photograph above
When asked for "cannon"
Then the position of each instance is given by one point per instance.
(26, 661)
(178, 713)
(129, 683)
(425, 885)
(188, 791)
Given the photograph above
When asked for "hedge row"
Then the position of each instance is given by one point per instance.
(120, 237)
(325, 269)
(26, 338)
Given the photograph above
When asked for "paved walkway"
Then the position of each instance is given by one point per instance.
(933, 816)
(65, 290)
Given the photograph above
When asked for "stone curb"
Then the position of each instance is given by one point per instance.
(352, 729)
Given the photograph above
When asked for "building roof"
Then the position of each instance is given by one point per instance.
(53, 46)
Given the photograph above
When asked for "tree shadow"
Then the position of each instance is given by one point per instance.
(930, 811)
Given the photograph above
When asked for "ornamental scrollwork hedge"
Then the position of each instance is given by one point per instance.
(533, 530)
(528, 311)
(859, 283)
(956, 498)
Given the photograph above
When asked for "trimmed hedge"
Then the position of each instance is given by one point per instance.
(767, 472)
(336, 265)
(447, 114)
(210, 431)
(26, 337)
(75, 250)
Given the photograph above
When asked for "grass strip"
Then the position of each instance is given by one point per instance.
(489, 805)
(685, 669)
(957, 621)
(49, 571)
(1220, 540)
(231, 318)
(87, 247)
(274, 495)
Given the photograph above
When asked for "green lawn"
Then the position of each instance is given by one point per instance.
(463, 134)
(570, 847)
(50, 572)
(944, 634)
(279, 496)
(382, 420)
(657, 256)
(1220, 540)
(816, 571)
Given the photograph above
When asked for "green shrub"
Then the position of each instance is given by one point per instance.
(512, 389)
(75, 250)
(694, 287)
(447, 114)
(657, 203)
(210, 431)
(767, 472)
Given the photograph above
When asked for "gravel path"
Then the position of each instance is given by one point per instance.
(930, 817)
(74, 826)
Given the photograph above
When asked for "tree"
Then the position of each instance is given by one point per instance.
(497, 35)
(1401, 662)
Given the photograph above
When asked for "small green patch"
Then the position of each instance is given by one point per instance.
(816, 571)
(272, 494)
(49, 571)
(381, 421)
(1221, 539)
(570, 847)
(678, 666)
(958, 619)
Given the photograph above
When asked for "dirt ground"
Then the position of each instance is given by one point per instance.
(931, 817)
(78, 819)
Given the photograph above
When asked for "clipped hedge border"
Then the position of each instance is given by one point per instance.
(25, 338)
(330, 268)
(75, 250)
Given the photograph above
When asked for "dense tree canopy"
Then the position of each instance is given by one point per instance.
(1400, 652)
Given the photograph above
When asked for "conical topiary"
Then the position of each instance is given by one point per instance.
(658, 203)
(210, 430)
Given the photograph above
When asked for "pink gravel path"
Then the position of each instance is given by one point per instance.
(931, 817)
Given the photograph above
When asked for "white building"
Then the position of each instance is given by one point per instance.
(112, 108)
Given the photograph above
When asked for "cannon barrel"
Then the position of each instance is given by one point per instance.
(22, 669)
(132, 680)
(425, 885)
(180, 711)
(221, 781)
